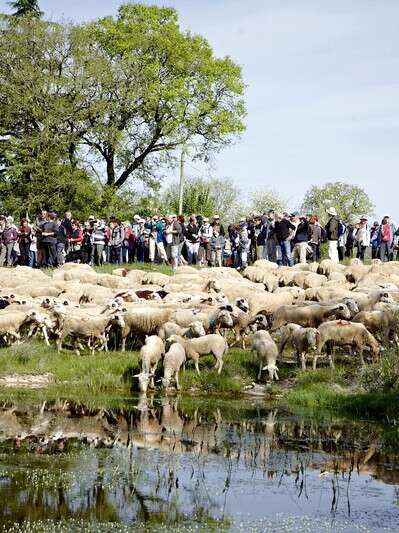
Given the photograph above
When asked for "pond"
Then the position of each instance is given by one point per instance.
(183, 464)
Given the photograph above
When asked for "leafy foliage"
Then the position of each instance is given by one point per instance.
(261, 201)
(205, 197)
(26, 8)
(115, 96)
(349, 201)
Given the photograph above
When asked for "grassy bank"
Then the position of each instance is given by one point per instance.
(112, 373)
(369, 393)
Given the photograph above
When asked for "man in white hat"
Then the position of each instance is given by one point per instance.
(331, 228)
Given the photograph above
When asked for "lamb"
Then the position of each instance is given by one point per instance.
(344, 333)
(174, 358)
(150, 355)
(266, 352)
(303, 340)
(195, 329)
(12, 323)
(309, 315)
(213, 344)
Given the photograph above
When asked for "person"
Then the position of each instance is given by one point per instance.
(234, 238)
(350, 239)
(341, 242)
(9, 237)
(177, 236)
(192, 240)
(98, 240)
(49, 232)
(260, 237)
(181, 221)
(41, 219)
(315, 236)
(33, 249)
(271, 239)
(282, 228)
(205, 234)
(86, 242)
(362, 237)
(301, 237)
(66, 222)
(62, 242)
(115, 241)
(245, 243)
(332, 234)
(374, 239)
(386, 236)
(24, 240)
(128, 240)
(156, 232)
(75, 240)
(216, 246)
(217, 225)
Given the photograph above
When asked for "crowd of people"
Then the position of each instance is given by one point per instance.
(283, 238)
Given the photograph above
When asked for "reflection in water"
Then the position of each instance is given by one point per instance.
(184, 462)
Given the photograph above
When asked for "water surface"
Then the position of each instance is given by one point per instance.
(186, 465)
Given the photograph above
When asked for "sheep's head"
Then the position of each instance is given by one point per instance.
(272, 369)
(341, 311)
(144, 379)
(261, 322)
(243, 304)
(173, 338)
(224, 319)
(197, 329)
(351, 305)
(386, 297)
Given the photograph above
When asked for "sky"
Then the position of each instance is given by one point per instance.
(322, 90)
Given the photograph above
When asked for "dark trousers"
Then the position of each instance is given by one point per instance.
(50, 254)
(24, 253)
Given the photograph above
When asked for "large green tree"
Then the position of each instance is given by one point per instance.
(350, 201)
(108, 102)
(28, 8)
(155, 88)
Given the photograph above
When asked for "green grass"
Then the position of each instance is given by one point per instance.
(112, 373)
(148, 267)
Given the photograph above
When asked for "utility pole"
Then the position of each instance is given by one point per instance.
(181, 184)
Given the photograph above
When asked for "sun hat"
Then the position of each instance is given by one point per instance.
(364, 217)
(216, 216)
(332, 211)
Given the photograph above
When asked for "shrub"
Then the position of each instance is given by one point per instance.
(383, 376)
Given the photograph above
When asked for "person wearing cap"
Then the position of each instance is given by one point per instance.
(156, 232)
(216, 224)
(205, 234)
(331, 228)
(301, 237)
(362, 237)
(386, 236)
(375, 239)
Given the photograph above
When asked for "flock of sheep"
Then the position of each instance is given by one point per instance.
(311, 307)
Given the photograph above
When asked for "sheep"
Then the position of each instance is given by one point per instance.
(209, 317)
(150, 354)
(303, 340)
(309, 315)
(11, 323)
(195, 329)
(174, 358)
(342, 332)
(266, 352)
(155, 278)
(213, 344)
(91, 329)
(144, 321)
(380, 322)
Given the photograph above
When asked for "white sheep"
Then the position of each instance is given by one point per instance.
(213, 344)
(150, 354)
(266, 351)
(194, 330)
(173, 361)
